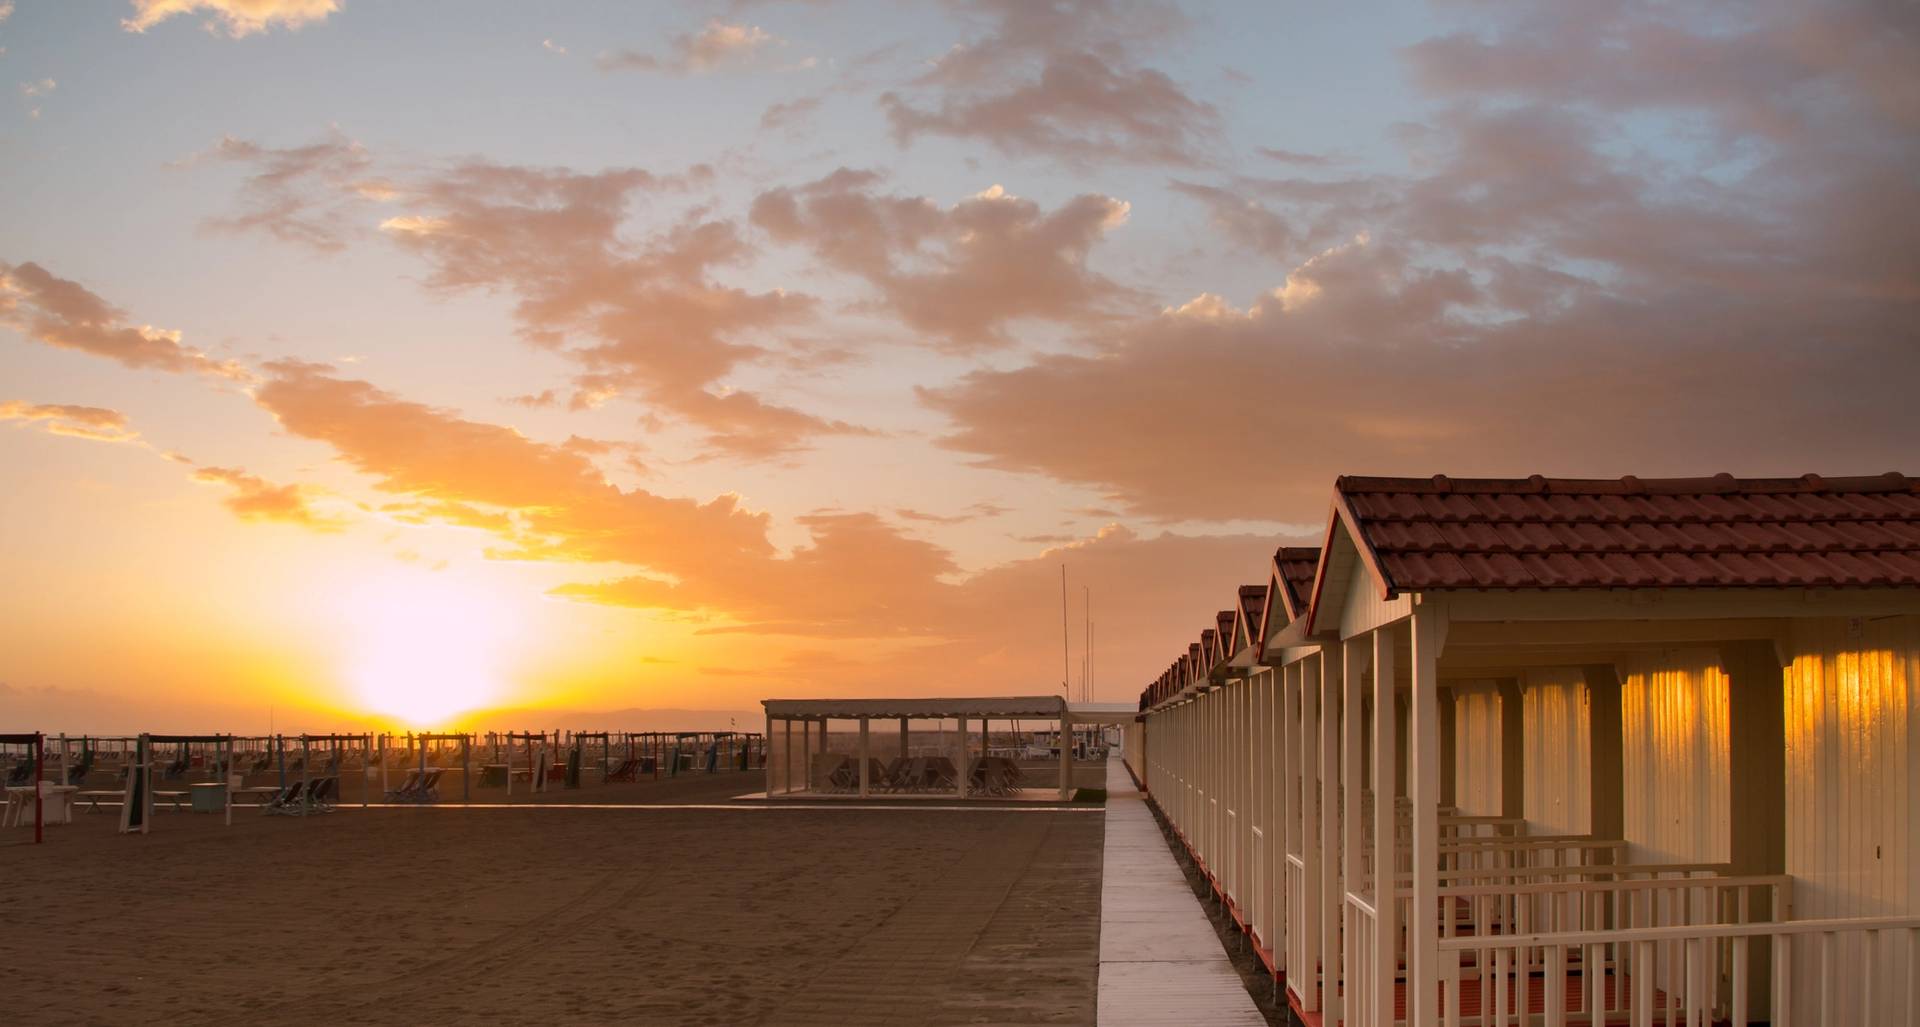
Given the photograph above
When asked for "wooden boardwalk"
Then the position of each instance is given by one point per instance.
(1160, 961)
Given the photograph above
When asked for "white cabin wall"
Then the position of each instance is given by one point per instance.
(1477, 748)
(1557, 742)
(1674, 750)
(1853, 839)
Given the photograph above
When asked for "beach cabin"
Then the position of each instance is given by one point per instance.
(1571, 751)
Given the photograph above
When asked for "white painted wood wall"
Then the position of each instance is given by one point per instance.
(1477, 748)
(1558, 751)
(1853, 837)
(1674, 747)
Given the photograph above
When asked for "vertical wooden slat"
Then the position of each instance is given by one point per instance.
(1556, 992)
(1740, 982)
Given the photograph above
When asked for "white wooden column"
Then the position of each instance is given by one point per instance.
(1307, 685)
(1386, 938)
(767, 764)
(1355, 658)
(865, 785)
(1066, 754)
(1423, 793)
(806, 755)
(961, 779)
(1327, 888)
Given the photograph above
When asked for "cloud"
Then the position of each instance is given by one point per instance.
(1297, 158)
(1065, 79)
(544, 501)
(644, 316)
(962, 273)
(1535, 295)
(305, 195)
(552, 47)
(717, 45)
(39, 88)
(64, 314)
(80, 422)
(974, 512)
(789, 114)
(235, 17)
(255, 499)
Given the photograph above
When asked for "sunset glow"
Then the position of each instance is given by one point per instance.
(624, 356)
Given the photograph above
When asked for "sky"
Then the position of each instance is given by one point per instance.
(396, 363)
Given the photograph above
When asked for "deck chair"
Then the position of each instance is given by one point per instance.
(288, 801)
(876, 776)
(78, 772)
(323, 794)
(941, 774)
(21, 773)
(176, 770)
(628, 770)
(845, 776)
(430, 786)
(895, 777)
(404, 793)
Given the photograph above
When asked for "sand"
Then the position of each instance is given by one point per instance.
(560, 915)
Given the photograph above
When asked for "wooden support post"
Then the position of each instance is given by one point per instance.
(1423, 793)
(1386, 931)
(1066, 753)
(866, 786)
(767, 764)
(961, 777)
(903, 737)
(1326, 889)
(1355, 659)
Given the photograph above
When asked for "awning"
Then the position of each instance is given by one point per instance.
(1038, 707)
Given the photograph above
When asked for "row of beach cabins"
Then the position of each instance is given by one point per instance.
(1549, 751)
(48, 776)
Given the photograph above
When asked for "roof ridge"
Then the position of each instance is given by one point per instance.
(1719, 484)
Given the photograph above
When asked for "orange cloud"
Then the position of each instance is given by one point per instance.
(1062, 79)
(256, 499)
(962, 273)
(64, 314)
(80, 422)
(718, 44)
(546, 502)
(301, 194)
(649, 317)
(236, 17)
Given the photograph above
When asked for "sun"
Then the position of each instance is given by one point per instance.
(425, 646)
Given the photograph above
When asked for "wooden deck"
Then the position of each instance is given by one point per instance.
(1160, 961)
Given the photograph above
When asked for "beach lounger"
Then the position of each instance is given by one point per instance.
(323, 793)
(404, 793)
(22, 773)
(941, 775)
(895, 777)
(288, 801)
(845, 776)
(628, 770)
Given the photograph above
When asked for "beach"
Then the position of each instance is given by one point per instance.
(564, 913)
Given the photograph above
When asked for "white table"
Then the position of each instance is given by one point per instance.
(56, 804)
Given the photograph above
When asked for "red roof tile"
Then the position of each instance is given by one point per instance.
(1529, 533)
(1293, 571)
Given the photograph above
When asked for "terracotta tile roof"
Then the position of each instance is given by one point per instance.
(1293, 570)
(1527, 533)
(1252, 613)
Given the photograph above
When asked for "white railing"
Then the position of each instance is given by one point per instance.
(1230, 857)
(1362, 994)
(1302, 974)
(1558, 906)
(1694, 974)
(1258, 882)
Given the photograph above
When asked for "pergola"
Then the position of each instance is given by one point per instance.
(813, 714)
